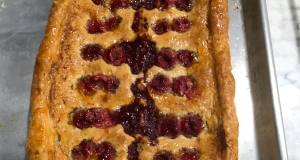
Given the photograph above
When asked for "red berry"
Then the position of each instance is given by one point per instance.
(88, 86)
(164, 4)
(182, 85)
(93, 117)
(166, 59)
(105, 151)
(161, 27)
(160, 84)
(185, 57)
(184, 5)
(181, 24)
(170, 127)
(91, 52)
(188, 154)
(191, 125)
(116, 4)
(95, 26)
(85, 150)
(115, 55)
(164, 156)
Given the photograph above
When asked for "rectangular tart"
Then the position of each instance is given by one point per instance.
(134, 79)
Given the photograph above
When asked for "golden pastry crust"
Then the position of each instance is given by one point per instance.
(59, 66)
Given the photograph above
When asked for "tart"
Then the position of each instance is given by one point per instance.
(134, 79)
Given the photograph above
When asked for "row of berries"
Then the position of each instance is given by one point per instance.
(87, 149)
(182, 5)
(180, 25)
(139, 54)
(181, 86)
(168, 126)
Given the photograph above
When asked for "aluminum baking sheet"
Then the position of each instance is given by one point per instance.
(22, 25)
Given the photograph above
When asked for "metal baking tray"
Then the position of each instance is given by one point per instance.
(261, 133)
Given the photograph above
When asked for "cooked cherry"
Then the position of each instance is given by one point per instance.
(164, 4)
(115, 55)
(182, 85)
(188, 154)
(112, 22)
(116, 4)
(166, 59)
(108, 84)
(185, 57)
(140, 54)
(147, 4)
(184, 5)
(160, 84)
(139, 117)
(85, 150)
(93, 117)
(169, 126)
(95, 26)
(161, 27)
(91, 52)
(98, 2)
(164, 156)
(91, 84)
(181, 24)
(88, 86)
(133, 153)
(105, 151)
(191, 125)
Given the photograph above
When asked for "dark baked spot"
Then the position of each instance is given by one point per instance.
(98, 2)
(139, 24)
(112, 22)
(133, 153)
(222, 139)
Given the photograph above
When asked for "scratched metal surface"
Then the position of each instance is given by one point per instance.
(22, 25)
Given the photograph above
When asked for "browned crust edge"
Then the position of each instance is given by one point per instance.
(41, 138)
(226, 84)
